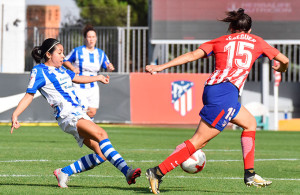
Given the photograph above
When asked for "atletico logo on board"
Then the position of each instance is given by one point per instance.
(182, 96)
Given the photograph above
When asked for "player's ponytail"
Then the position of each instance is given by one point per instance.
(38, 52)
(238, 21)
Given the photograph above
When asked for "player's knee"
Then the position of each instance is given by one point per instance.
(251, 124)
(102, 134)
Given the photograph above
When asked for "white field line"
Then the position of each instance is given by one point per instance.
(146, 161)
(229, 160)
(210, 150)
(181, 177)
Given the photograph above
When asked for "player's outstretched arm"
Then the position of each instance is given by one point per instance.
(89, 79)
(183, 59)
(284, 63)
(71, 67)
(23, 104)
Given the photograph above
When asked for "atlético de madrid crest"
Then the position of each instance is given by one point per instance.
(182, 96)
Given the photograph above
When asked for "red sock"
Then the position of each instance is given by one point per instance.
(182, 152)
(248, 147)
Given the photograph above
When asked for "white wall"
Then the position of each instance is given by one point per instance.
(12, 36)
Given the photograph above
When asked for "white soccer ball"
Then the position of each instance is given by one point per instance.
(194, 163)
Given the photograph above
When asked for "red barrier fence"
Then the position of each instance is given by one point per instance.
(166, 98)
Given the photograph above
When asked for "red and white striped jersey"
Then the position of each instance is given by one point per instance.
(234, 56)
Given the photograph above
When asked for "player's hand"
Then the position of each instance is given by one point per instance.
(14, 124)
(110, 67)
(277, 67)
(76, 70)
(153, 69)
(104, 79)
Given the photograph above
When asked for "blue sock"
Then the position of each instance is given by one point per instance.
(83, 164)
(113, 156)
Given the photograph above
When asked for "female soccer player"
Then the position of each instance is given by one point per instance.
(87, 60)
(235, 54)
(54, 82)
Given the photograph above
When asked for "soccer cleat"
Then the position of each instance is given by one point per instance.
(257, 181)
(132, 174)
(154, 180)
(62, 178)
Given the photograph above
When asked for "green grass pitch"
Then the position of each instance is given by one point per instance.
(29, 156)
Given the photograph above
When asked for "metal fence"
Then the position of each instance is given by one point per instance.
(112, 40)
(133, 57)
(167, 51)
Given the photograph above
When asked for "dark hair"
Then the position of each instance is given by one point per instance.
(88, 28)
(239, 21)
(38, 52)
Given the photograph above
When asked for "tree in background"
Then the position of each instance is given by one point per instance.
(113, 12)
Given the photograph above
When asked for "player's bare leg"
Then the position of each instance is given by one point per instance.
(204, 133)
(247, 121)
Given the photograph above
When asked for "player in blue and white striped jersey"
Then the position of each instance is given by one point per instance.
(54, 82)
(88, 60)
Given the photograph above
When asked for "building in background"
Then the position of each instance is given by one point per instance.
(47, 16)
(12, 36)
(14, 18)
(69, 11)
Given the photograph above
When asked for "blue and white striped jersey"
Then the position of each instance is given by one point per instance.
(89, 63)
(55, 84)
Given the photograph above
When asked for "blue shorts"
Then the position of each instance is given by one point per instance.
(220, 104)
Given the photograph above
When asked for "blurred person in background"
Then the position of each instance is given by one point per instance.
(88, 60)
(54, 82)
(234, 56)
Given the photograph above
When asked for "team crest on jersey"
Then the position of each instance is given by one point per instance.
(182, 96)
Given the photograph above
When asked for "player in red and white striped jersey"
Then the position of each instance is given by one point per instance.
(234, 56)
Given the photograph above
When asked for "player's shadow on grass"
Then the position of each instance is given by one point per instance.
(28, 184)
(143, 190)
(134, 189)
(72, 188)
(186, 190)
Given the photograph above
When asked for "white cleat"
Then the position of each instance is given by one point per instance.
(61, 177)
(154, 180)
(257, 181)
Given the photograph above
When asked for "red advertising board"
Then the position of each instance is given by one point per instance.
(259, 10)
(166, 98)
(200, 19)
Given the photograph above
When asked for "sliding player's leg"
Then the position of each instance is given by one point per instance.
(90, 130)
(85, 163)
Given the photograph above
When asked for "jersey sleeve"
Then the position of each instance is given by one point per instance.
(71, 57)
(207, 47)
(37, 81)
(268, 50)
(69, 72)
(103, 59)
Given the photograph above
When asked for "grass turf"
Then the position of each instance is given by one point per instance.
(29, 156)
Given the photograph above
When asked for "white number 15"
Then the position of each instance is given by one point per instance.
(241, 51)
